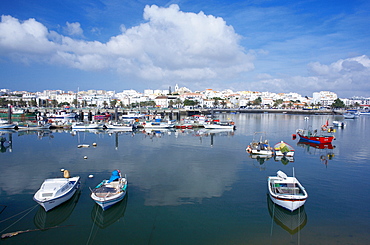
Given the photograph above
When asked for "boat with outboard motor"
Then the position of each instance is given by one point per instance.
(260, 145)
(110, 192)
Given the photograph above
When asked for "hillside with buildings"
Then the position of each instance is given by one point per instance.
(179, 98)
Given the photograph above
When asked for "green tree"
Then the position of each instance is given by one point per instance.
(33, 102)
(338, 103)
(54, 103)
(75, 102)
(113, 103)
(178, 102)
(63, 104)
(257, 101)
(190, 102)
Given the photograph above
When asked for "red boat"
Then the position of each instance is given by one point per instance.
(104, 116)
(318, 137)
(322, 136)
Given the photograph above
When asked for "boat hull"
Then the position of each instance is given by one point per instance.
(290, 204)
(262, 152)
(118, 127)
(215, 126)
(106, 203)
(317, 139)
(8, 126)
(49, 204)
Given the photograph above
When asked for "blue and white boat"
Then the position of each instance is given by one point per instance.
(110, 192)
(5, 125)
(351, 114)
(56, 191)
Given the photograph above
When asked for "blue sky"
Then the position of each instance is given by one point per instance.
(257, 45)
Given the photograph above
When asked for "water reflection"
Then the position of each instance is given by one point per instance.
(283, 159)
(103, 219)
(56, 216)
(326, 151)
(212, 133)
(39, 133)
(6, 142)
(292, 222)
(261, 160)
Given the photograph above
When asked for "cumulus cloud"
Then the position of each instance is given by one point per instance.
(343, 74)
(74, 29)
(170, 45)
(347, 77)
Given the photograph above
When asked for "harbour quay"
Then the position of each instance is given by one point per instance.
(174, 113)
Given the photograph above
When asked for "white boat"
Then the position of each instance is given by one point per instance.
(351, 114)
(133, 115)
(339, 124)
(56, 191)
(118, 126)
(157, 125)
(111, 191)
(219, 125)
(82, 125)
(40, 125)
(286, 191)
(5, 125)
(283, 149)
(63, 114)
(260, 145)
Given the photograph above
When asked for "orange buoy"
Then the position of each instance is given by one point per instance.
(294, 136)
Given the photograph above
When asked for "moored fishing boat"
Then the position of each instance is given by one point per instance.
(111, 191)
(62, 114)
(315, 136)
(157, 124)
(118, 126)
(82, 125)
(351, 114)
(323, 135)
(216, 124)
(39, 125)
(5, 125)
(260, 145)
(133, 115)
(286, 192)
(339, 124)
(56, 191)
(283, 149)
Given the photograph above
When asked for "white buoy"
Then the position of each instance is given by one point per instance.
(94, 144)
(85, 157)
(91, 176)
(62, 170)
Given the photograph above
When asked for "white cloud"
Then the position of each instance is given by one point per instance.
(170, 45)
(74, 29)
(347, 77)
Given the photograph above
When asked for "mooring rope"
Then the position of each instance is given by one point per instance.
(92, 227)
(30, 209)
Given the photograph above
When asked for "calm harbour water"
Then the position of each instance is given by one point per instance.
(190, 187)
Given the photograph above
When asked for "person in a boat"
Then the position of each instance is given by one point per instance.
(115, 176)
